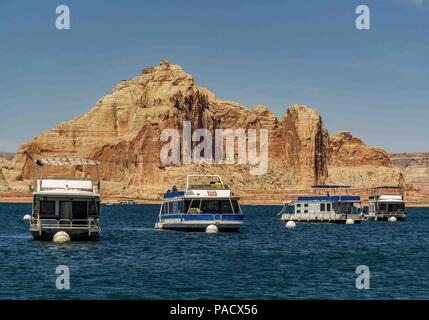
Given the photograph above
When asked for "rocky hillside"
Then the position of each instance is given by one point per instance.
(4, 163)
(123, 131)
(415, 167)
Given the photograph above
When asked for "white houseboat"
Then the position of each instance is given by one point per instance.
(65, 204)
(127, 203)
(387, 203)
(201, 205)
(327, 208)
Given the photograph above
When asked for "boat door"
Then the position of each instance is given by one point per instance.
(66, 210)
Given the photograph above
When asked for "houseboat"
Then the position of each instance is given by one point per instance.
(127, 203)
(201, 205)
(71, 205)
(387, 203)
(326, 208)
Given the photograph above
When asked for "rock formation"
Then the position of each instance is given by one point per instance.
(4, 163)
(123, 131)
(416, 169)
(352, 162)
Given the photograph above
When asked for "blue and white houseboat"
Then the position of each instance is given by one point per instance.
(326, 208)
(387, 203)
(201, 205)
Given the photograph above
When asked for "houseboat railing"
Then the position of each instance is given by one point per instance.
(66, 223)
(398, 212)
(315, 216)
(189, 186)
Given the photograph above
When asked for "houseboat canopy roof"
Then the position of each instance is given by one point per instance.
(67, 162)
(211, 186)
(73, 187)
(206, 194)
(329, 198)
(388, 187)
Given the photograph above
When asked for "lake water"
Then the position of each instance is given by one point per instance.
(265, 260)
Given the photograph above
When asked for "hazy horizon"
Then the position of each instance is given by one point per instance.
(373, 83)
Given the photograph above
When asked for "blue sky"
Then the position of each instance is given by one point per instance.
(373, 83)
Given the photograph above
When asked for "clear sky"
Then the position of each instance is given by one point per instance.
(374, 83)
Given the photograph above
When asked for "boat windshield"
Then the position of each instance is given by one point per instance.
(288, 208)
(392, 206)
(67, 209)
(345, 208)
(217, 206)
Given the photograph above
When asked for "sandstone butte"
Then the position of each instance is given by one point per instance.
(123, 131)
(415, 167)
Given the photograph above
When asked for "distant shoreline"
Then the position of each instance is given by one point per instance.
(4, 198)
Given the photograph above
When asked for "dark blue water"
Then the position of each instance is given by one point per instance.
(264, 261)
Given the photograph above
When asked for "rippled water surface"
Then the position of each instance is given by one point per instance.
(132, 260)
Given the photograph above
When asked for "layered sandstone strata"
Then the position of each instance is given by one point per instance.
(416, 169)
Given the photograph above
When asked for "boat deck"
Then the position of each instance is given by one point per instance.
(322, 218)
(386, 216)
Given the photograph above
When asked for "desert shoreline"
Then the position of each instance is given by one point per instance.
(28, 199)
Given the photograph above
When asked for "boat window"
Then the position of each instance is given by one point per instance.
(220, 206)
(305, 211)
(298, 205)
(396, 206)
(345, 207)
(306, 205)
(166, 207)
(47, 207)
(236, 206)
(94, 208)
(298, 211)
(80, 210)
(322, 207)
(192, 206)
(328, 207)
(175, 207)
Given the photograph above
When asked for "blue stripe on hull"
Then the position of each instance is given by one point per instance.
(200, 229)
(205, 217)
